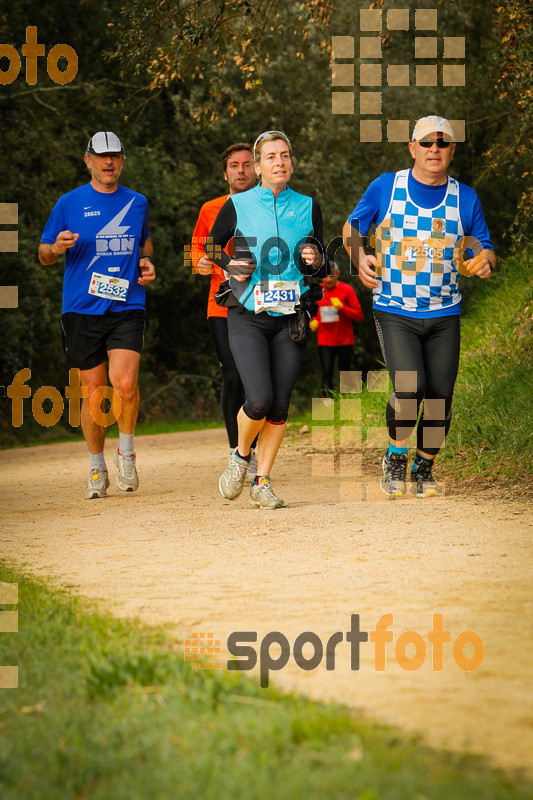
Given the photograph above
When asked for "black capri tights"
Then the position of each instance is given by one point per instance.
(268, 362)
(232, 394)
(422, 357)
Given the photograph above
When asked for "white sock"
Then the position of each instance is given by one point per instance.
(125, 443)
(98, 462)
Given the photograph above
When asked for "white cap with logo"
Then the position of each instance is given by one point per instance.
(104, 142)
(425, 126)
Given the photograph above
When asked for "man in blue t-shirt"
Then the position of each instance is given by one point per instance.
(425, 221)
(102, 228)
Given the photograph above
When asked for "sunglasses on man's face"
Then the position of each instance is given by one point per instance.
(439, 142)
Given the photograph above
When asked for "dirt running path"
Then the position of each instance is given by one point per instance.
(176, 552)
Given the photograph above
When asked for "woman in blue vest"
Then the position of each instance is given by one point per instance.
(277, 237)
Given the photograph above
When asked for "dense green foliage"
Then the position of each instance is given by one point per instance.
(174, 135)
(494, 380)
(511, 156)
(107, 710)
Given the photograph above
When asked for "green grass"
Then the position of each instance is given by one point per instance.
(108, 710)
(170, 426)
(59, 434)
(372, 410)
(491, 433)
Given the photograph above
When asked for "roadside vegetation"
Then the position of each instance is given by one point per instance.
(491, 434)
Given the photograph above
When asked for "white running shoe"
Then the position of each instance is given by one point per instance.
(97, 485)
(262, 496)
(231, 481)
(127, 478)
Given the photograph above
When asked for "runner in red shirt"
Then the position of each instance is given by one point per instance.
(338, 308)
(240, 176)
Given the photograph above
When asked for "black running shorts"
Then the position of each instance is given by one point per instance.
(88, 337)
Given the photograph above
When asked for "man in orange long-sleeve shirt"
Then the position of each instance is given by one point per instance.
(337, 310)
(240, 176)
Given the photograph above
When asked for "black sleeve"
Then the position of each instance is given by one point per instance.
(316, 237)
(222, 231)
(316, 216)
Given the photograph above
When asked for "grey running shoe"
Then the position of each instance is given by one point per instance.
(97, 485)
(394, 469)
(232, 479)
(252, 467)
(262, 496)
(127, 478)
(422, 483)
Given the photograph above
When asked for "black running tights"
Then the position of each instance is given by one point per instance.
(232, 394)
(422, 357)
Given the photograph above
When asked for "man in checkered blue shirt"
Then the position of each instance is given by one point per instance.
(425, 221)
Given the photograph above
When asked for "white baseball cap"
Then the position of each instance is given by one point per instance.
(433, 124)
(104, 142)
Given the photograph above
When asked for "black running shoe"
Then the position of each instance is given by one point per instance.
(394, 470)
(422, 483)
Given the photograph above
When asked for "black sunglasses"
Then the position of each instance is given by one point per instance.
(439, 142)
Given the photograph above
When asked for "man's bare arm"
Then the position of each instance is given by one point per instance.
(146, 266)
(49, 253)
(147, 249)
(481, 265)
(489, 258)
